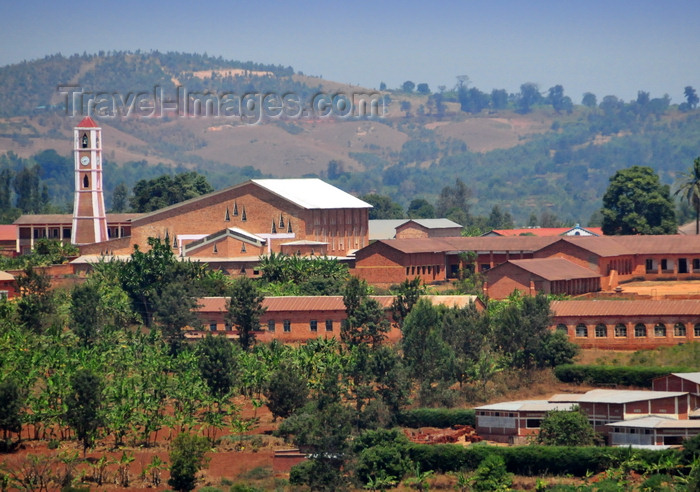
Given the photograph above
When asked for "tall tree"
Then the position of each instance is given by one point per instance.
(420, 208)
(217, 364)
(11, 403)
(691, 97)
(589, 100)
(408, 86)
(85, 315)
(689, 188)
(120, 197)
(529, 96)
(365, 323)
(84, 406)
(406, 297)
(244, 310)
(453, 203)
(637, 203)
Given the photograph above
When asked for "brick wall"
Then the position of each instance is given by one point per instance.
(507, 278)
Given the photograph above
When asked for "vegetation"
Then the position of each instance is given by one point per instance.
(186, 459)
(567, 428)
(637, 203)
(613, 375)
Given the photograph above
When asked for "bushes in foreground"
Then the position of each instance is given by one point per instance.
(612, 375)
(529, 460)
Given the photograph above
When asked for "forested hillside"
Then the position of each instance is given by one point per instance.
(538, 152)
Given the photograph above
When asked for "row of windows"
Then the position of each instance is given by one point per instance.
(668, 266)
(422, 270)
(286, 326)
(640, 330)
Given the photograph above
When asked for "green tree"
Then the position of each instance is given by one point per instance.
(589, 100)
(691, 97)
(420, 208)
(567, 428)
(167, 190)
(85, 314)
(187, 457)
(499, 99)
(528, 97)
(689, 188)
(406, 296)
(11, 403)
(423, 88)
(453, 203)
(637, 203)
(120, 197)
(365, 323)
(383, 207)
(408, 86)
(36, 307)
(287, 391)
(217, 364)
(244, 310)
(84, 406)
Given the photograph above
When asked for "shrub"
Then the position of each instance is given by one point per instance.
(436, 417)
(186, 459)
(492, 475)
(381, 453)
(612, 375)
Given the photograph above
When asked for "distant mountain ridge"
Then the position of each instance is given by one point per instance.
(545, 160)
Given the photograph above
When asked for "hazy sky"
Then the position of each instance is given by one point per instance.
(605, 47)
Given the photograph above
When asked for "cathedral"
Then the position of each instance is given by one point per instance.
(232, 227)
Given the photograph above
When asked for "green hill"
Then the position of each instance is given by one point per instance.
(526, 160)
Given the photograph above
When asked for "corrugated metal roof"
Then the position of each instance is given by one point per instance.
(601, 308)
(693, 377)
(552, 269)
(518, 244)
(435, 223)
(6, 276)
(526, 405)
(532, 231)
(615, 396)
(654, 422)
(670, 244)
(311, 193)
(601, 246)
(383, 228)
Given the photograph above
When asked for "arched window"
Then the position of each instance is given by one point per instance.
(640, 330)
(86, 182)
(85, 141)
(679, 330)
(660, 330)
(581, 331)
(601, 331)
(620, 330)
(562, 328)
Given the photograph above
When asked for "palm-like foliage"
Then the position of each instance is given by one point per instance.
(689, 188)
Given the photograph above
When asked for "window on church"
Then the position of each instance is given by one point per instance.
(216, 250)
(289, 226)
(85, 141)
(281, 221)
(86, 182)
(235, 209)
(243, 215)
(274, 228)
(243, 250)
(227, 217)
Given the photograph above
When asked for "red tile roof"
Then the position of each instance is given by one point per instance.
(67, 219)
(637, 308)
(553, 268)
(323, 303)
(87, 122)
(483, 243)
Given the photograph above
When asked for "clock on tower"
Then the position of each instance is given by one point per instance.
(89, 220)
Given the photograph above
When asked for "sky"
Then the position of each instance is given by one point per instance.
(611, 47)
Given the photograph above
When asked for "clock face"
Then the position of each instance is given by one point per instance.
(85, 160)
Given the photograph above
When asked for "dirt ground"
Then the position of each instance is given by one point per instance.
(661, 288)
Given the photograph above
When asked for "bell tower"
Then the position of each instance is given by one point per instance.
(89, 220)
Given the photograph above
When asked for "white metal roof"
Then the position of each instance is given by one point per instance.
(693, 377)
(311, 193)
(654, 422)
(526, 405)
(615, 396)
